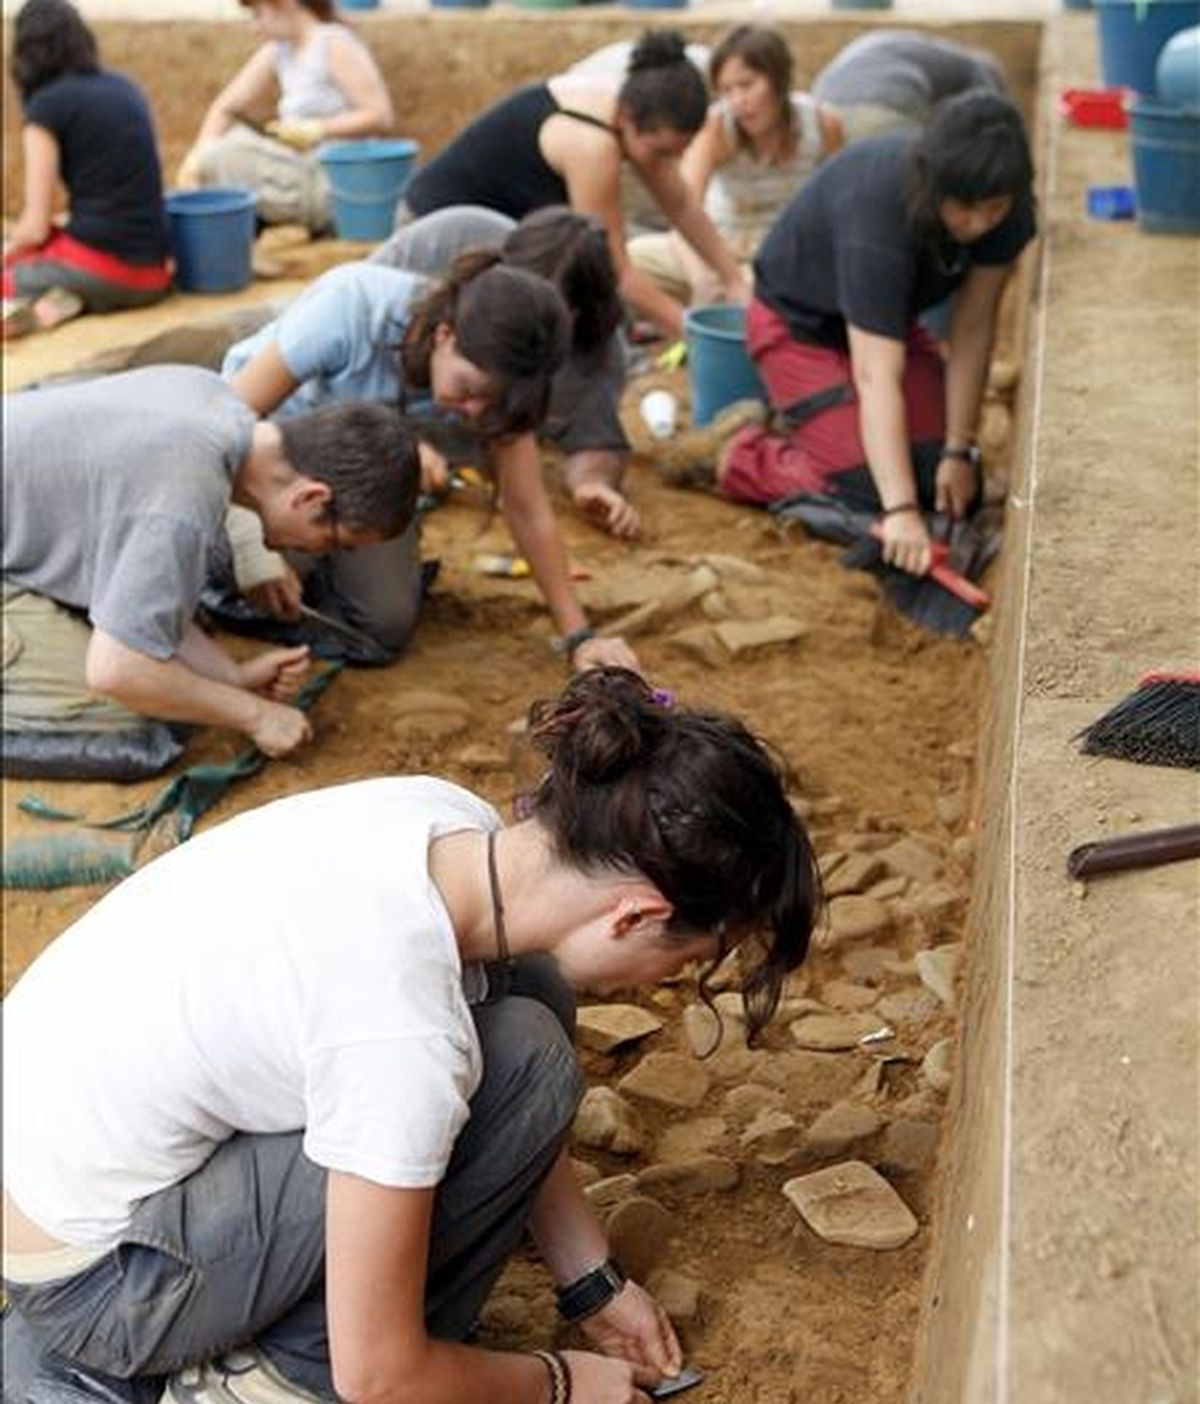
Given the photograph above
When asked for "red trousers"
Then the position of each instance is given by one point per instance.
(762, 467)
(64, 261)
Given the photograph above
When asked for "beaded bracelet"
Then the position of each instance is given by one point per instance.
(560, 1375)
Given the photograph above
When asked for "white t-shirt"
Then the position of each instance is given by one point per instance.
(293, 968)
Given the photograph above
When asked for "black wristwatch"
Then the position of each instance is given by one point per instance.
(969, 453)
(591, 1292)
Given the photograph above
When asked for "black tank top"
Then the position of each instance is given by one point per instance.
(496, 161)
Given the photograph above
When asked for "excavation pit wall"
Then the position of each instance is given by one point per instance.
(1059, 1258)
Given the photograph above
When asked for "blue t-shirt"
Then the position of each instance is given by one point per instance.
(340, 338)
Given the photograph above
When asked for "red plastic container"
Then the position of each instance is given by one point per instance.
(1096, 107)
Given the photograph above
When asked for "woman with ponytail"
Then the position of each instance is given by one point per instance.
(298, 1176)
(564, 141)
(482, 345)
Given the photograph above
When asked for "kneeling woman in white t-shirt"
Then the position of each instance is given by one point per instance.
(283, 1103)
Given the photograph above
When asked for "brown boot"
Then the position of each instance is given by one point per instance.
(700, 448)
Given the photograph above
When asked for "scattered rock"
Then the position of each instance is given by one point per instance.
(810, 1079)
(736, 568)
(746, 1101)
(924, 1105)
(889, 888)
(855, 874)
(771, 1137)
(699, 1175)
(908, 1147)
(638, 1231)
(1003, 377)
(603, 1027)
(741, 636)
(963, 850)
(937, 1067)
(605, 1121)
(961, 750)
(842, 994)
(428, 726)
(867, 964)
(691, 1139)
(855, 918)
(702, 1029)
(606, 1194)
(838, 1128)
(995, 427)
(670, 1079)
(790, 1009)
(679, 1296)
(850, 1203)
(938, 970)
(828, 864)
(938, 901)
(701, 642)
(831, 1032)
(951, 808)
(863, 841)
(912, 1006)
(909, 857)
(585, 1172)
(482, 757)
(418, 701)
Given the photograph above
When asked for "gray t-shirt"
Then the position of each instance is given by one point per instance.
(113, 490)
(904, 71)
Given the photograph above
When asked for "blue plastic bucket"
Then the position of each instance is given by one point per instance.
(719, 366)
(1131, 34)
(861, 4)
(657, 4)
(1077, 4)
(1177, 72)
(212, 238)
(1166, 167)
(367, 179)
(460, 4)
(359, 4)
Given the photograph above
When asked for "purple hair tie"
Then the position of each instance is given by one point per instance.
(664, 697)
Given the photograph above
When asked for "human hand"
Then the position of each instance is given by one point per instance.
(604, 653)
(608, 508)
(300, 133)
(277, 730)
(957, 483)
(435, 469)
(279, 597)
(187, 175)
(905, 541)
(278, 673)
(598, 1379)
(632, 1326)
(741, 290)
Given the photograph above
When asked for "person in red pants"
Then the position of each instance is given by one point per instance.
(870, 411)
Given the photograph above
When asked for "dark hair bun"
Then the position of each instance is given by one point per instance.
(658, 48)
(604, 723)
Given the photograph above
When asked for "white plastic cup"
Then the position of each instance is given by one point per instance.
(660, 409)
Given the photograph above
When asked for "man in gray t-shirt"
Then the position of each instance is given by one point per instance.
(896, 77)
(114, 490)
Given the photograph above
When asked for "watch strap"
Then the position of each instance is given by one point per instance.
(591, 1292)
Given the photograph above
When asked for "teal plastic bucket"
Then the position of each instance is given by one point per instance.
(1131, 34)
(1166, 167)
(212, 238)
(719, 366)
(460, 4)
(367, 179)
(861, 4)
(359, 4)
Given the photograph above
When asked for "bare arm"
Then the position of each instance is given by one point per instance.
(39, 149)
(265, 381)
(878, 367)
(200, 684)
(252, 83)
(531, 520)
(357, 75)
(666, 183)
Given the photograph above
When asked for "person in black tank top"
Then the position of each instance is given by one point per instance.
(563, 142)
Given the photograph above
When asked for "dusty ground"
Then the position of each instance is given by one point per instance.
(879, 723)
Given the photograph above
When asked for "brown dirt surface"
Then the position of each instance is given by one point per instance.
(877, 720)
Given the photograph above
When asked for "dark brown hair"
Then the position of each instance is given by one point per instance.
(693, 802)
(50, 39)
(571, 250)
(367, 455)
(510, 323)
(324, 10)
(663, 87)
(765, 51)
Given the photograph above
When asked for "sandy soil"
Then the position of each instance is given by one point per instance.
(879, 723)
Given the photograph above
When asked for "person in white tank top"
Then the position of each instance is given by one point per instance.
(328, 88)
(760, 142)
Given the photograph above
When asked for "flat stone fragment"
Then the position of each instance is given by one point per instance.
(856, 874)
(845, 995)
(938, 900)
(746, 1101)
(888, 888)
(603, 1027)
(699, 1175)
(638, 1231)
(700, 641)
(867, 963)
(938, 970)
(829, 863)
(736, 568)
(839, 1127)
(702, 1029)
(852, 1204)
(911, 1006)
(679, 1296)
(772, 1137)
(854, 918)
(937, 1067)
(691, 1138)
(745, 635)
(608, 1193)
(670, 1079)
(810, 1079)
(835, 1032)
(908, 1147)
(909, 857)
(605, 1121)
